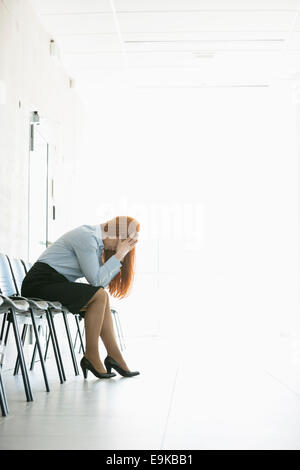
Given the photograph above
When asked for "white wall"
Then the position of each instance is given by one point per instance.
(30, 79)
(232, 152)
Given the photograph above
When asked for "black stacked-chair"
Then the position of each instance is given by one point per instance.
(35, 313)
(16, 311)
(26, 311)
(29, 312)
(3, 399)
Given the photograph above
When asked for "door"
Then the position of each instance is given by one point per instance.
(38, 194)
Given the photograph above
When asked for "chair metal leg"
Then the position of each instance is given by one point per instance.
(80, 335)
(5, 338)
(34, 351)
(37, 339)
(3, 399)
(118, 330)
(3, 326)
(23, 337)
(51, 334)
(57, 345)
(25, 377)
(47, 345)
(7, 332)
(116, 326)
(71, 344)
(121, 331)
(75, 341)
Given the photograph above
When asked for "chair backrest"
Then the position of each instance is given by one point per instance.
(27, 265)
(7, 284)
(18, 272)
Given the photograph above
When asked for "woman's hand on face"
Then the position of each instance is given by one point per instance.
(124, 246)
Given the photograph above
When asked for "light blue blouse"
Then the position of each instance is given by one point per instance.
(77, 254)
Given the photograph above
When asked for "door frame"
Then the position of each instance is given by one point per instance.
(49, 132)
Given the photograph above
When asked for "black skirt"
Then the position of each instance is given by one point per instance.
(46, 283)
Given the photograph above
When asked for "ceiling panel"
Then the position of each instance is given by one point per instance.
(202, 59)
(76, 62)
(204, 41)
(89, 43)
(79, 24)
(206, 44)
(173, 5)
(217, 76)
(189, 42)
(167, 59)
(190, 36)
(220, 71)
(51, 7)
(206, 21)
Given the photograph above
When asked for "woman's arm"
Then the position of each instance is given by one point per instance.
(87, 255)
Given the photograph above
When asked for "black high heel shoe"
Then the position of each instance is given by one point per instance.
(110, 363)
(86, 365)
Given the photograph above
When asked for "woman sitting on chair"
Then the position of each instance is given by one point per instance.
(104, 254)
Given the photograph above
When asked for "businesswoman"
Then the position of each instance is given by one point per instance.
(104, 254)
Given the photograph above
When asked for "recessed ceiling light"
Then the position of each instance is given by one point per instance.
(203, 55)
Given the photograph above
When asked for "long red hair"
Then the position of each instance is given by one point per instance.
(121, 284)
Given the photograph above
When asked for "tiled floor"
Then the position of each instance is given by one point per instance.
(201, 397)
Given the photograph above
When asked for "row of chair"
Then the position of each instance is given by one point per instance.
(35, 313)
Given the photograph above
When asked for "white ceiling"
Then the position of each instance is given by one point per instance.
(194, 42)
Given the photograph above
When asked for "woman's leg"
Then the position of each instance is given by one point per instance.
(93, 320)
(108, 337)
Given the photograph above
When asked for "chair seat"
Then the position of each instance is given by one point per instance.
(54, 304)
(51, 303)
(36, 304)
(20, 305)
(39, 304)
